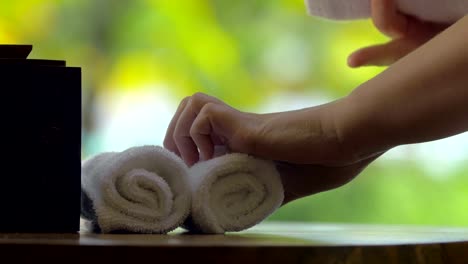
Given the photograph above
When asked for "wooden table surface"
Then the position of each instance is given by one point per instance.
(267, 242)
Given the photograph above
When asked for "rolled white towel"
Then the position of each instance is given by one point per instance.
(442, 11)
(233, 192)
(142, 189)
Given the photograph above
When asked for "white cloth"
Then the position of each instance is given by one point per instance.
(233, 192)
(142, 189)
(443, 11)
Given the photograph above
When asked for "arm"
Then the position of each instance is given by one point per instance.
(422, 97)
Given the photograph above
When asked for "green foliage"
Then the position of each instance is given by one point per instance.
(242, 52)
(389, 192)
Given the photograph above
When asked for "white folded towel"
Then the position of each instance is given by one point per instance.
(443, 11)
(233, 192)
(142, 189)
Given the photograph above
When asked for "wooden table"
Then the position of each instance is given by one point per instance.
(265, 243)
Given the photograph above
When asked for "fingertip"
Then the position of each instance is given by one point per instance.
(207, 152)
(172, 149)
(355, 60)
(189, 163)
(188, 150)
(205, 156)
(190, 160)
(352, 62)
(177, 152)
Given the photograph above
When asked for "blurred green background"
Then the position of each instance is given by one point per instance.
(141, 57)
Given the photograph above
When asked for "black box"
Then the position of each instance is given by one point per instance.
(41, 134)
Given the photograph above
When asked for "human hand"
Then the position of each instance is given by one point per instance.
(201, 122)
(309, 156)
(407, 33)
(306, 136)
(304, 148)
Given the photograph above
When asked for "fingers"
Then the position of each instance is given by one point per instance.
(218, 123)
(387, 19)
(201, 131)
(190, 129)
(185, 144)
(169, 142)
(380, 55)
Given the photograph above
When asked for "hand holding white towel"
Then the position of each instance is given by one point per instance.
(142, 189)
(233, 192)
(441, 11)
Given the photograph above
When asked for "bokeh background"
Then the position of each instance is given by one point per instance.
(141, 57)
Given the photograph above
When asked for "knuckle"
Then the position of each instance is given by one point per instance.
(183, 103)
(185, 100)
(198, 97)
(208, 108)
(198, 100)
(204, 117)
(193, 132)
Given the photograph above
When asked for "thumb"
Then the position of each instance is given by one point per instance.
(387, 19)
(219, 124)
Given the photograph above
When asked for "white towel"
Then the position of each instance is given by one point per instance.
(233, 192)
(443, 11)
(142, 189)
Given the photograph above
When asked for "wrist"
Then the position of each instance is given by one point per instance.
(361, 133)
